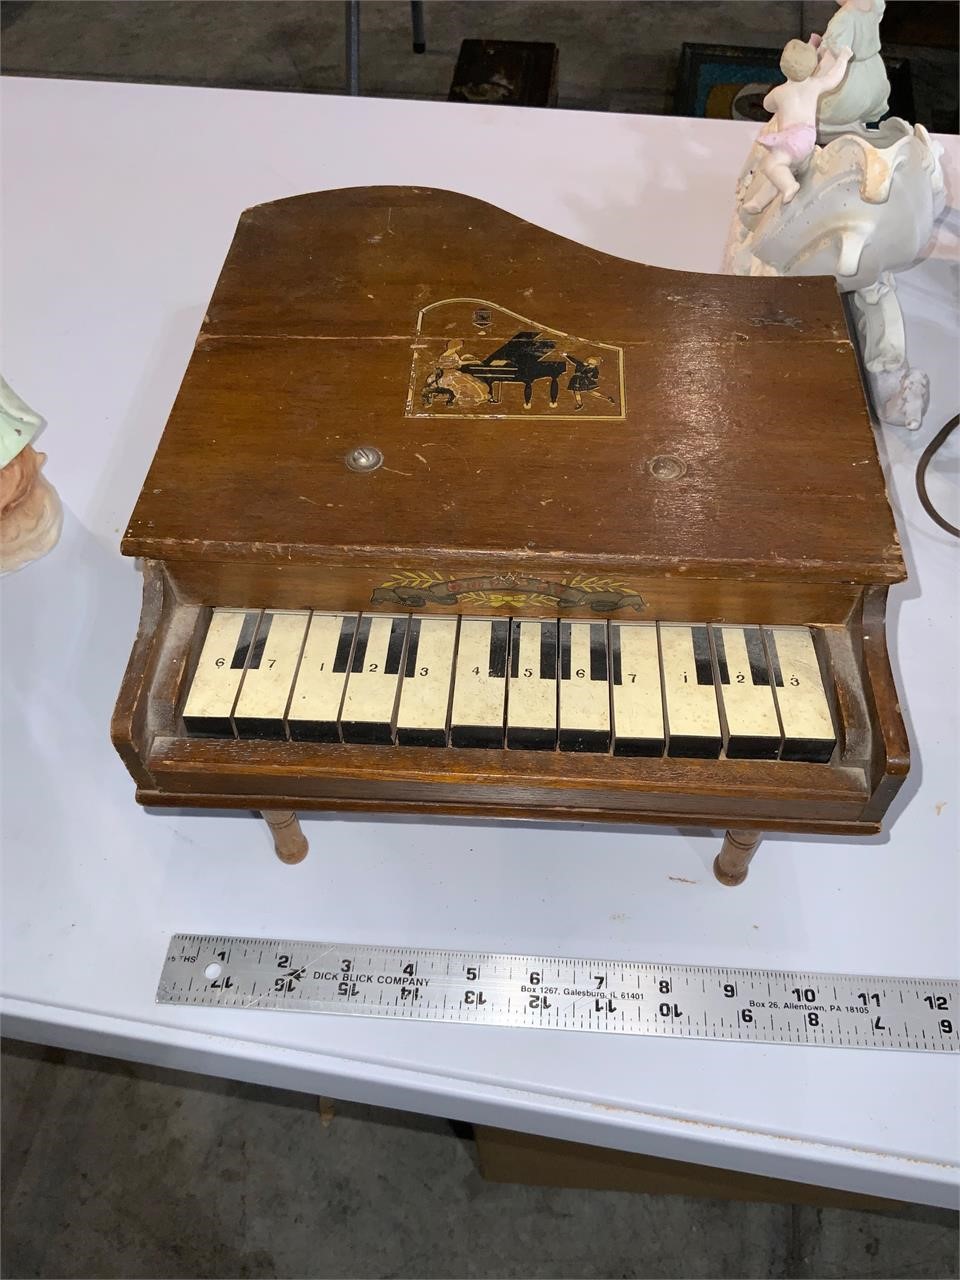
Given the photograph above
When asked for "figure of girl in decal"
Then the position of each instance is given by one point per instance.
(586, 379)
(447, 383)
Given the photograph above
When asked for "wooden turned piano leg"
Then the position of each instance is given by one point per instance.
(731, 863)
(289, 842)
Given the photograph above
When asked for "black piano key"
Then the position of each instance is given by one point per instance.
(256, 653)
(548, 651)
(756, 656)
(701, 655)
(499, 635)
(721, 656)
(413, 644)
(598, 651)
(774, 660)
(564, 650)
(615, 654)
(344, 644)
(360, 648)
(514, 648)
(398, 629)
(244, 639)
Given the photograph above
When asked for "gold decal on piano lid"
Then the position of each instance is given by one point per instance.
(414, 589)
(508, 367)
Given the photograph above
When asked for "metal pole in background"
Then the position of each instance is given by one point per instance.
(419, 35)
(352, 18)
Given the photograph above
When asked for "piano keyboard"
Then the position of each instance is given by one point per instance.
(633, 688)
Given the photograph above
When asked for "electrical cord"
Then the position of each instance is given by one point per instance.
(925, 459)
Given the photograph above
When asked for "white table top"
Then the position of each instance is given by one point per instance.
(119, 203)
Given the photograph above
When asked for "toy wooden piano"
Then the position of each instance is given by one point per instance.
(455, 516)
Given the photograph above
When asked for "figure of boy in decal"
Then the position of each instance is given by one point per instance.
(586, 379)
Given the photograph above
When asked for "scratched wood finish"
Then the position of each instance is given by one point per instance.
(349, 586)
(535, 811)
(750, 385)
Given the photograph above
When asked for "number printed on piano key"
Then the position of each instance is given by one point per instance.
(268, 679)
(693, 721)
(532, 687)
(480, 683)
(637, 696)
(373, 682)
(213, 690)
(427, 677)
(808, 732)
(584, 687)
(314, 712)
(749, 712)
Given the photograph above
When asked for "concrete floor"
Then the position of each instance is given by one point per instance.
(615, 55)
(116, 1170)
(111, 1169)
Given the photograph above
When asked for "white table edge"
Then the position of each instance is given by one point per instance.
(741, 1150)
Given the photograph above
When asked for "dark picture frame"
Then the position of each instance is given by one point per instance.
(709, 73)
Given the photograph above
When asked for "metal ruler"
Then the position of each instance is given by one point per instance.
(611, 996)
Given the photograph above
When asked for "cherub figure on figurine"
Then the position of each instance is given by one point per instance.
(792, 133)
(858, 203)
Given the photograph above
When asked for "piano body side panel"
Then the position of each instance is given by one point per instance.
(129, 730)
(168, 637)
(890, 754)
(434, 582)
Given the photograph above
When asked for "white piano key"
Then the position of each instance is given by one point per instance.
(584, 715)
(480, 683)
(808, 732)
(693, 721)
(532, 687)
(637, 695)
(219, 671)
(314, 712)
(268, 679)
(427, 677)
(746, 699)
(373, 682)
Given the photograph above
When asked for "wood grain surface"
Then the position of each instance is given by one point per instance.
(749, 386)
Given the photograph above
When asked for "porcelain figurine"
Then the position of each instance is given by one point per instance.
(860, 204)
(30, 513)
(791, 135)
(864, 95)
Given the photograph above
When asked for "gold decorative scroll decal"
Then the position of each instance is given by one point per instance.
(474, 359)
(416, 590)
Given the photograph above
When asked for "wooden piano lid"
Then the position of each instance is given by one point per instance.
(722, 432)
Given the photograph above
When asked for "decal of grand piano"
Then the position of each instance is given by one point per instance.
(472, 358)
